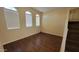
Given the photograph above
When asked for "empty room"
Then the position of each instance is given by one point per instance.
(35, 29)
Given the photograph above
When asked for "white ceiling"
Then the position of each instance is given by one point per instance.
(45, 9)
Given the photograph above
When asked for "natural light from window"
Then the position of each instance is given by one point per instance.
(11, 8)
(37, 20)
(11, 18)
(28, 19)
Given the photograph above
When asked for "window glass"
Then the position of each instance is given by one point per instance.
(37, 20)
(28, 19)
(11, 18)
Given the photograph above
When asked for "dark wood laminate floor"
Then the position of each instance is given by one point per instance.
(40, 42)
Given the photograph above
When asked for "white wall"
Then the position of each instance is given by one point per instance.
(53, 22)
(56, 23)
(16, 34)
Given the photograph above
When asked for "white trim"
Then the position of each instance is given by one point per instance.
(37, 20)
(19, 38)
(27, 12)
(11, 8)
(14, 28)
(62, 49)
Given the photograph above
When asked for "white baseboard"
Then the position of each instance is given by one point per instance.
(52, 34)
(18, 39)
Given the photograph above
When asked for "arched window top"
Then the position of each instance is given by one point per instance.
(28, 12)
(37, 15)
(11, 8)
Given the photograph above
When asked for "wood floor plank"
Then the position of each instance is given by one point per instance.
(41, 42)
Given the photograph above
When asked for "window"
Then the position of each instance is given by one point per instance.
(11, 8)
(11, 18)
(37, 20)
(28, 19)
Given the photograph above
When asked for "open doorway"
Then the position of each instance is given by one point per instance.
(72, 42)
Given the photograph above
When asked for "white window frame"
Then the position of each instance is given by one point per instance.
(27, 14)
(37, 20)
(11, 9)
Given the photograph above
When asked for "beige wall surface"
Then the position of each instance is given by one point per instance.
(8, 36)
(1, 47)
(53, 22)
(74, 15)
(56, 22)
(1, 30)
